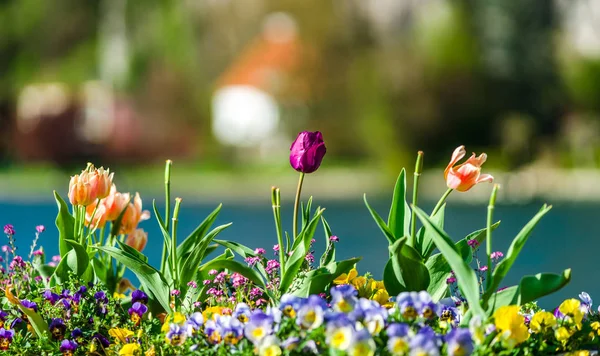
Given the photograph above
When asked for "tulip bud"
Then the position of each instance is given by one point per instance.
(464, 176)
(133, 215)
(104, 182)
(82, 189)
(307, 151)
(137, 239)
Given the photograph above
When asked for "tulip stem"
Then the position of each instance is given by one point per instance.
(413, 220)
(440, 203)
(163, 260)
(276, 202)
(488, 234)
(174, 268)
(296, 205)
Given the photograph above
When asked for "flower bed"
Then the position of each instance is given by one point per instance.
(212, 296)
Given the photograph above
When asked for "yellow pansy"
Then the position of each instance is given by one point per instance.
(596, 327)
(131, 349)
(210, 313)
(120, 334)
(178, 318)
(570, 308)
(542, 321)
(562, 334)
(118, 295)
(346, 278)
(359, 282)
(511, 324)
(382, 297)
(270, 350)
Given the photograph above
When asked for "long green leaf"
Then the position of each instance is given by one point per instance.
(301, 248)
(466, 277)
(515, 248)
(399, 217)
(236, 247)
(189, 267)
(329, 254)
(408, 268)
(37, 322)
(193, 239)
(148, 275)
(163, 229)
(424, 242)
(529, 289)
(65, 222)
(379, 221)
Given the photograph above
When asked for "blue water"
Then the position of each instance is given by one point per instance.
(568, 237)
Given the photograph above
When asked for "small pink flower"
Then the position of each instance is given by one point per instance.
(197, 304)
(5, 248)
(483, 268)
(260, 251)
(496, 255)
(56, 258)
(39, 252)
(40, 229)
(450, 280)
(9, 229)
(276, 248)
(175, 292)
(261, 302)
(192, 284)
(334, 238)
(206, 282)
(464, 176)
(212, 272)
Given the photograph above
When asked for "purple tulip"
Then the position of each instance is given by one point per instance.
(307, 152)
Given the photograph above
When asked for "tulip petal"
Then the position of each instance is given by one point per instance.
(485, 178)
(477, 161)
(457, 155)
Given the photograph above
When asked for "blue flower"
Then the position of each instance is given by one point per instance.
(51, 297)
(29, 304)
(68, 347)
(339, 332)
(231, 329)
(290, 304)
(290, 343)
(362, 344)
(77, 334)
(6, 337)
(242, 312)
(139, 296)
(406, 305)
(176, 334)
(459, 342)
(449, 315)
(136, 312)
(397, 330)
(310, 315)
(425, 305)
(101, 297)
(343, 298)
(258, 327)
(586, 302)
(57, 328)
(195, 321)
(424, 344)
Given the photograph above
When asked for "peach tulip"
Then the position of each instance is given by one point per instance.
(82, 189)
(464, 176)
(115, 203)
(133, 215)
(103, 180)
(137, 239)
(95, 218)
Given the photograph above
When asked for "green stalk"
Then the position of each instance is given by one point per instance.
(276, 202)
(297, 204)
(163, 260)
(175, 269)
(439, 204)
(488, 234)
(413, 220)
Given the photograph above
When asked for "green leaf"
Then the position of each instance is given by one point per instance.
(425, 243)
(236, 247)
(163, 229)
(37, 322)
(65, 222)
(132, 251)
(466, 277)
(515, 248)
(439, 271)
(399, 217)
(299, 251)
(148, 275)
(390, 281)
(329, 254)
(529, 289)
(189, 267)
(384, 228)
(410, 272)
(194, 238)
(76, 260)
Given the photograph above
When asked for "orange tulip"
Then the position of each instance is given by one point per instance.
(464, 176)
(115, 203)
(133, 215)
(103, 180)
(82, 189)
(137, 239)
(98, 218)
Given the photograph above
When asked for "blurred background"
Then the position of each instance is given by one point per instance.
(222, 88)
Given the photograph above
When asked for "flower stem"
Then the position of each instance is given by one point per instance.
(413, 220)
(488, 234)
(174, 268)
(297, 204)
(276, 202)
(439, 204)
(163, 260)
